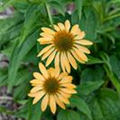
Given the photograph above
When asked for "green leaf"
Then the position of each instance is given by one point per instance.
(81, 105)
(93, 60)
(30, 24)
(95, 74)
(115, 63)
(79, 4)
(18, 55)
(105, 106)
(89, 87)
(30, 111)
(68, 115)
(89, 23)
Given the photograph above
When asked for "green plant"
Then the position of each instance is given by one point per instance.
(98, 81)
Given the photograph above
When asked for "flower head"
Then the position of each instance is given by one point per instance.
(53, 87)
(65, 45)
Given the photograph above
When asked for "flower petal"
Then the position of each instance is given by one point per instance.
(52, 104)
(38, 97)
(37, 88)
(43, 70)
(38, 76)
(67, 79)
(72, 60)
(70, 91)
(61, 26)
(48, 30)
(84, 42)
(59, 102)
(45, 50)
(47, 53)
(67, 25)
(50, 58)
(80, 35)
(62, 63)
(83, 49)
(45, 102)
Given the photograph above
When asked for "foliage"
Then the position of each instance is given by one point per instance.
(98, 81)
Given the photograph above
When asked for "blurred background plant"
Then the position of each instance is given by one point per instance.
(98, 81)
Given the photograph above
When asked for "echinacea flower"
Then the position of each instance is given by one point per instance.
(53, 87)
(65, 45)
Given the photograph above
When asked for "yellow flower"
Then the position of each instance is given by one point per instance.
(65, 45)
(51, 85)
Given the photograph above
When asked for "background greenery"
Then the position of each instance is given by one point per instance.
(98, 80)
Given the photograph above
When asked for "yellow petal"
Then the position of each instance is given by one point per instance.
(52, 72)
(84, 42)
(43, 70)
(61, 26)
(46, 42)
(36, 81)
(67, 79)
(44, 102)
(66, 95)
(57, 59)
(56, 28)
(66, 90)
(72, 60)
(48, 31)
(83, 49)
(44, 35)
(71, 86)
(50, 58)
(34, 94)
(62, 63)
(66, 63)
(80, 35)
(45, 50)
(38, 97)
(62, 75)
(37, 88)
(52, 104)
(67, 25)
(77, 57)
(62, 98)
(81, 54)
(43, 39)
(59, 102)
(75, 29)
(47, 53)
(38, 76)
(57, 72)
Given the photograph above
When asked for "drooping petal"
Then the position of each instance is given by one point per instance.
(71, 86)
(77, 57)
(62, 63)
(81, 54)
(84, 42)
(57, 60)
(52, 104)
(44, 102)
(72, 60)
(80, 35)
(67, 79)
(66, 90)
(83, 49)
(66, 62)
(36, 88)
(47, 53)
(59, 102)
(38, 97)
(50, 58)
(62, 75)
(45, 50)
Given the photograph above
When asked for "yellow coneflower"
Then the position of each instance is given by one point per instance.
(65, 45)
(51, 85)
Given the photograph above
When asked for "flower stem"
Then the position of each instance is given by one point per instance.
(49, 14)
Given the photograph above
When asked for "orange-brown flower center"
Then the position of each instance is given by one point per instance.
(63, 40)
(51, 85)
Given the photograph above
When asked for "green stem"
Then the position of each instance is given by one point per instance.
(49, 14)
